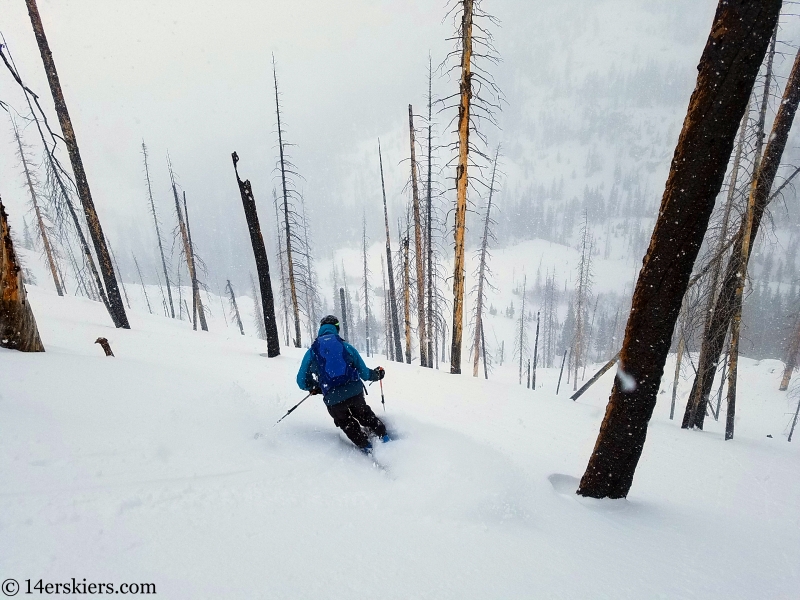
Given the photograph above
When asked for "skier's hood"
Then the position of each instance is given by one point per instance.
(327, 330)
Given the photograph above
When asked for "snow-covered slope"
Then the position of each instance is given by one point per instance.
(144, 468)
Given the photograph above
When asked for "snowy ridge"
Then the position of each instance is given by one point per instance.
(143, 467)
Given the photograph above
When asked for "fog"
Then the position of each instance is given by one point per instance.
(595, 94)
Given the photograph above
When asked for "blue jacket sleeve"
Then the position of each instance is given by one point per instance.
(303, 373)
(362, 369)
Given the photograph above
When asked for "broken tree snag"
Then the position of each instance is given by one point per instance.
(18, 329)
(116, 308)
(262, 263)
(727, 71)
(595, 377)
(106, 346)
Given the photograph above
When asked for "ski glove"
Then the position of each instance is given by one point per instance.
(315, 390)
(377, 374)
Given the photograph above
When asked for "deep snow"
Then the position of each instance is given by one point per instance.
(144, 468)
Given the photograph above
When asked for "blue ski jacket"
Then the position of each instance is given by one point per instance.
(308, 374)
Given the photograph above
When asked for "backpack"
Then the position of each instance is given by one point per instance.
(335, 365)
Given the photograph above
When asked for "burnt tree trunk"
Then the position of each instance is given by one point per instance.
(727, 71)
(18, 329)
(736, 269)
(262, 263)
(116, 308)
(465, 100)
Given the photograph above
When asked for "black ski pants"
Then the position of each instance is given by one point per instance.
(353, 416)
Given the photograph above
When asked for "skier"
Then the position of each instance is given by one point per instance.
(333, 368)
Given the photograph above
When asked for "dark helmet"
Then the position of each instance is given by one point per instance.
(330, 320)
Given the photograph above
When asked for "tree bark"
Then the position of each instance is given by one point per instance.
(736, 269)
(116, 308)
(18, 330)
(262, 262)
(398, 350)
(727, 71)
(418, 251)
(465, 95)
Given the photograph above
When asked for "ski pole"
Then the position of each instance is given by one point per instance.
(292, 409)
(382, 400)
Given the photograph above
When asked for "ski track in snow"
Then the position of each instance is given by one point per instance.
(144, 467)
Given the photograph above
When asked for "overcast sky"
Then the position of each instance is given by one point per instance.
(194, 78)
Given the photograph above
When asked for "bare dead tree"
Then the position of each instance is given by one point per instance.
(116, 308)
(728, 68)
(261, 330)
(43, 235)
(58, 174)
(287, 170)
(407, 297)
(736, 269)
(418, 241)
(141, 280)
(478, 98)
(118, 270)
(345, 328)
(366, 281)
(281, 261)
(262, 262)
(395, 328)
(18, 330)
(188, 254)
(234, 306)
(484, 271)
(521, 345)
(158, 230)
